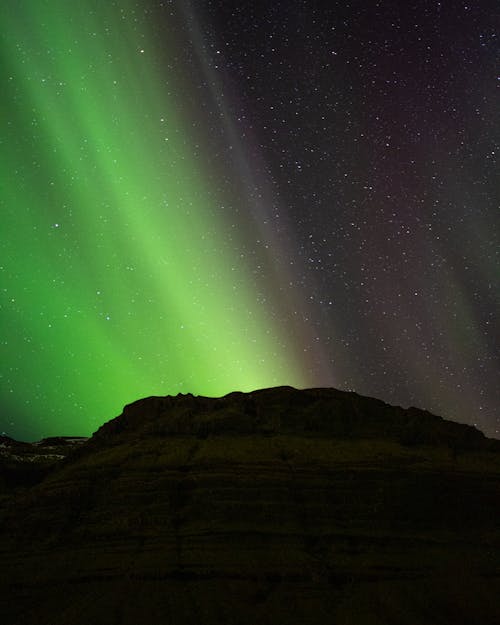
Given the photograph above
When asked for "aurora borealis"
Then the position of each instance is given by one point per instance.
(122, 282)
(212, 196)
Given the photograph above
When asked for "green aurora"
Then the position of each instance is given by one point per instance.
(121, 277)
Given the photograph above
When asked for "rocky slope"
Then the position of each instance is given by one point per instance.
(278, 506)
(25, 464)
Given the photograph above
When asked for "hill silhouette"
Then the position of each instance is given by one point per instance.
(277, 506)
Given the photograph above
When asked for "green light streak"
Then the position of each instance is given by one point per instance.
(119, 281)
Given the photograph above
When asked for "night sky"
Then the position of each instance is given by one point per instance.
(215, 196)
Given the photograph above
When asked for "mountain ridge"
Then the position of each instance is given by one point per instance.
(309, 410)
(281, 505)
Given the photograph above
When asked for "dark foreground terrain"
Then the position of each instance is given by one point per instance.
(278, 506)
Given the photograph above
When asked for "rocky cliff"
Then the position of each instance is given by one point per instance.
(278, 506)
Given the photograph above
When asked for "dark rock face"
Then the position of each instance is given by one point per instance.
(278, 506)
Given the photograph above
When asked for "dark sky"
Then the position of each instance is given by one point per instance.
(371, 133)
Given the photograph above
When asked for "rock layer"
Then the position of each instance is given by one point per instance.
(278, 506)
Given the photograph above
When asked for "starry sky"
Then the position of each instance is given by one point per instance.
(207, 196)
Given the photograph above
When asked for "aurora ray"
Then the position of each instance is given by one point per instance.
(120, 278)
